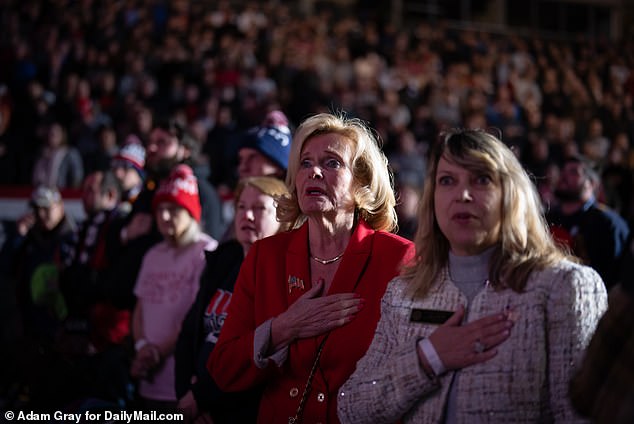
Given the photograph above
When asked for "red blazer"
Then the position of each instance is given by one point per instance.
(370, 261)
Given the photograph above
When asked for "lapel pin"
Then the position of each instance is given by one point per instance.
(295, 282)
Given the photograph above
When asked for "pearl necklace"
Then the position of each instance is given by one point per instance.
(326, 261)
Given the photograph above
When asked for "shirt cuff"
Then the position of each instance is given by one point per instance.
(261, 342)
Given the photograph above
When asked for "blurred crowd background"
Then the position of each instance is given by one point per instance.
(98, 71)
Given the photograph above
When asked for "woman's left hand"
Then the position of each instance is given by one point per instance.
(312, 315)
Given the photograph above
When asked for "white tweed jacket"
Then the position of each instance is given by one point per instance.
(526, 382)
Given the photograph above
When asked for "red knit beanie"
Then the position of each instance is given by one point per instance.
(181, 188)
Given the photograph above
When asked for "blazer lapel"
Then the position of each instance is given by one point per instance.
(297, 276)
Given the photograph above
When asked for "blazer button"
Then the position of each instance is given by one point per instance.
(294, 392)
(321, 397)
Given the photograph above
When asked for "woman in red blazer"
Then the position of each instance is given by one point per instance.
(306, 302)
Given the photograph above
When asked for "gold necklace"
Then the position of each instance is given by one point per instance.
(326, 261)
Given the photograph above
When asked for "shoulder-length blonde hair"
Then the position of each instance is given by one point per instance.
(269, 186)
(525, 242)
(372, 181)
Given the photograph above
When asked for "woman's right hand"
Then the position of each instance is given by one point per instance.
(459, 346)
(312, 315)
(25, 223)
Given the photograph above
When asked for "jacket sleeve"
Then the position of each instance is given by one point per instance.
(389, 379)
(184, 355)
(574, 308)
(231, 364)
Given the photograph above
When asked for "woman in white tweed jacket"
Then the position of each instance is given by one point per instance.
(489, 324)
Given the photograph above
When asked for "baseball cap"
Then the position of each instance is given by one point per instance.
(272, 139)
(44, 196)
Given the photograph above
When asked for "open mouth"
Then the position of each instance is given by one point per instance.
(315, 191)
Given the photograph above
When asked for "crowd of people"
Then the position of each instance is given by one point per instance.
(235, 165)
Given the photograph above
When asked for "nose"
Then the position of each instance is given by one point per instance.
(243, 167)
(164, 214)
(316, 173)
(248, 214)
(151, 147)
(465, 195)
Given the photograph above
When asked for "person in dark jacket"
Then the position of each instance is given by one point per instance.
(36, 249)
(198, 394)
(595, 233)
(41, 242)
(92, 343)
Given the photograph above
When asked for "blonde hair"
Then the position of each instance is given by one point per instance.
(372, 181)
(269, 186)
(525, 242)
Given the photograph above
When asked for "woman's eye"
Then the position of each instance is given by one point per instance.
(445, 180)
(483, 179)
(333, 163)
(305, 163)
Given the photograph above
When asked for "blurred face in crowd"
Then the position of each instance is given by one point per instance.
(163, 150)
(574, 184)
(126, 174)
(92, 197)
(49, 217)
(55, 135)
(144, 121)
(255, 217)
(468, 207)
(172, 221)
(252, 163)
